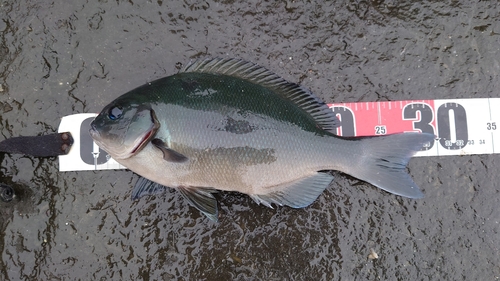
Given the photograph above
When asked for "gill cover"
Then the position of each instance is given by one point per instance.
(123, 130)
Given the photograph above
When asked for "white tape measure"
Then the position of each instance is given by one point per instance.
(461, 126)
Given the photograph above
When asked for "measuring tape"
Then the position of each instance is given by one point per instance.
(461, 127)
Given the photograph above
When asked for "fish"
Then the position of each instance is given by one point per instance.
(225, 124)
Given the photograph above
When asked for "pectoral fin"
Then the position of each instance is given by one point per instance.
(202, 199)
(297, 194)
(169, 154)
(145, 187)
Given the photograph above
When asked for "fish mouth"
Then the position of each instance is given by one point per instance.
(93, 130)
(94, 133)
(96, 136)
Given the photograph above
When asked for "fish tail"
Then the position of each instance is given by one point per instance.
(384, 159)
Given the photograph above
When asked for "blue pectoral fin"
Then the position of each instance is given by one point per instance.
(145, 187)
(202, 199)
(297, 194)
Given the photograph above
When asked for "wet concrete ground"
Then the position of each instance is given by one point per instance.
(64, 57)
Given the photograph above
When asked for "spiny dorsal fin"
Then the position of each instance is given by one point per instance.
(251, 72)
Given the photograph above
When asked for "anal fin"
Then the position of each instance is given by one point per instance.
(297, 194)
(202, 199)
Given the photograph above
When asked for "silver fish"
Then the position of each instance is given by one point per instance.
(228, 124)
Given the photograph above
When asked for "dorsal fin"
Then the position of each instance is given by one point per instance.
(251, 72)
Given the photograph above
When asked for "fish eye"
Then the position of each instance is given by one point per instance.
(115, 112)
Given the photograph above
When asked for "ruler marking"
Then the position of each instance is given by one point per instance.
(492, 135)
(489, 108)
(379, 114)
(492, 142)
(453, 121)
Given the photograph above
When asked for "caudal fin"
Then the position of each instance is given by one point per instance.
(385, 159)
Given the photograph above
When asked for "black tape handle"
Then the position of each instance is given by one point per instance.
(39, 146)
